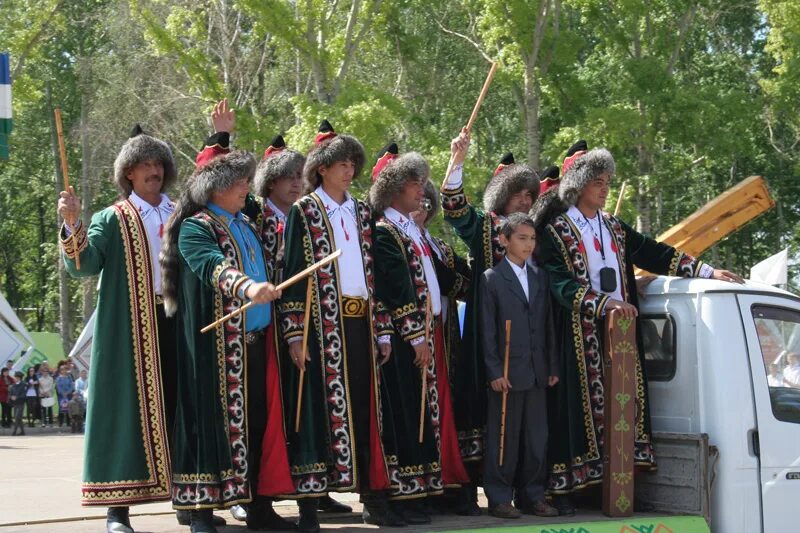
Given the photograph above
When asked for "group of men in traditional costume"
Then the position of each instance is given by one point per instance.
(357, 377)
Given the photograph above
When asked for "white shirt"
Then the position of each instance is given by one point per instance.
(440, 254)
(522, 276)
(423, 249)
(346, 238)
(154, 219)
(776, 381)
(791, 375)
(591, 242)
(277, 210)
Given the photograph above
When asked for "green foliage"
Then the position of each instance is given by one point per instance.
(690, 97)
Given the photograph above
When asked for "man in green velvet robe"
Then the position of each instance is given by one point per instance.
(132, 402)
(512, 189)
(277, 185)
(408, 286)
(338, 447)
(590, 256)
(213, 260)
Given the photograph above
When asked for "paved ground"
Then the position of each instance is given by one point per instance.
(40, 486)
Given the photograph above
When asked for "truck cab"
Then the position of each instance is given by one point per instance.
(727, 438)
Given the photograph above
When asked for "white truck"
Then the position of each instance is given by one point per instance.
(727, 438)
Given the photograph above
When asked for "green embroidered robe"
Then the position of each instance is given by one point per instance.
(576, 413)
(211, 436)
(479, 230)
(126, 453)
(401, 286)
(322, 455)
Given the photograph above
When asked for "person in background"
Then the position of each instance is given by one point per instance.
(791, 374)
(64, 387)
(17, 395)
(32, 395)
(82, 384)
(76, 411)
(6, 381)
(46, 394)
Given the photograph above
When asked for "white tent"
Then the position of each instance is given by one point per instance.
(81, 353)
(15, 341)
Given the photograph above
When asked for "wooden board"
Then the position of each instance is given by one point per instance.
(720, 217)
(619, 382)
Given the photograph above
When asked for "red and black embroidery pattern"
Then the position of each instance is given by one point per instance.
(208, 489)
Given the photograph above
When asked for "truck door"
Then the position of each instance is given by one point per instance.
(772, 329)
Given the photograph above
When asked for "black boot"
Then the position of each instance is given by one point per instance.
(563, 505)
(412, 512)
(309, 522)
(203, 522)
(468, 501)
(117, 520)
(329, 505)
(378, 512)
(184, 517)
(262, 517)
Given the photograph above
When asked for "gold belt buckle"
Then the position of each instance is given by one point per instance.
(354, 307)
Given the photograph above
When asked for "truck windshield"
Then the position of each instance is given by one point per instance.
(779, 336)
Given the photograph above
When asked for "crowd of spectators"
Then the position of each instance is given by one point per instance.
(34, 395)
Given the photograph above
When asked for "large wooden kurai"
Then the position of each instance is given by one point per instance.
(473, 116)
(424, 391)
(505, 394)
(303, 351)
(62, 154)
(288, 283)
(619, 382)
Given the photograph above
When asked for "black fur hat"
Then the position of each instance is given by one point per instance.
(142, 147)
(506, 183)
(283, 164)
(220, 174)
(394, 176)
(328, 152)
(592, 164)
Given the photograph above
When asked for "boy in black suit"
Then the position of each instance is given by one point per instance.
(517, 290)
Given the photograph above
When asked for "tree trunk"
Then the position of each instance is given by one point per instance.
(86, 191)
(64, 308)
(531, 98)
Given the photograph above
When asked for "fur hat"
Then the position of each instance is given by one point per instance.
(506, 183)
(432, 195)
(594, 163)
(283, 164)
(328, 152)
(217, 175)
(546, 206)
(394, 176)
(142, 147)
(220, 174)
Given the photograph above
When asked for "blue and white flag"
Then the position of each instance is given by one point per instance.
(5, 103)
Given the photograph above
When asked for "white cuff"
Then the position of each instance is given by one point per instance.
(706, 271)
(242, 291)
(385, 339)
(68, 230)
(456, 178)
(294, 340)
(417, 341)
